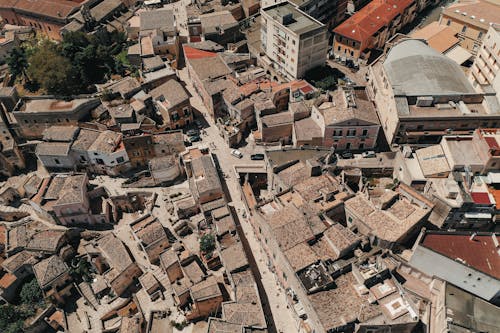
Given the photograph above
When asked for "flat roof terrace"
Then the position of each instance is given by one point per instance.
(292, 18)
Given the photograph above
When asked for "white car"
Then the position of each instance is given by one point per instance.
(368, 154)
(237, 153)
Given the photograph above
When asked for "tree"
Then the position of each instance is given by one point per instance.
(17, 61)
(207, 243)
(51, 70)
(31, 293)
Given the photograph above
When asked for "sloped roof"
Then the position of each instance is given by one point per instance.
(193, 53)
(49, 269)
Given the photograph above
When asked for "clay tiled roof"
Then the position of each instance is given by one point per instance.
(342, 305)
(12, 263)
(172, 92)
(366, 22)
(234, 257)
(49, 269)
(58, 9)
(301, 256)
(73, 190)
(192, 53)
(479, 253)
(440, 37)
(206, 289)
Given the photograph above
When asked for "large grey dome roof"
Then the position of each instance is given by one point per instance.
(415, 69)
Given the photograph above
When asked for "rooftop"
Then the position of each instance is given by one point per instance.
(85, 139)
(391, 223)
(162, 19)
(106, 142)
(212, 22)
(53, 148)
(349, 106)
(307, 129)
(292, 18)
(171, 92)
(440, 37)
(467, 311)
(478, 13)
(207, 67)
(60, 133)
(234, 257)
(73, 191)
(49, 269)
(371, 18)
(342, 305)
(55, 9)
(415, 69)
(54, 105)
(480, 253)
(432, 161)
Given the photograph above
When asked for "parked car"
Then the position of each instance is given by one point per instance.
(194, 138)
(347, 155)
(192, 132)
(236, 153)
(368, 154)
(257, 157)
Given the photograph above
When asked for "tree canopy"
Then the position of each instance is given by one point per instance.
(72, 66)
(207, 243)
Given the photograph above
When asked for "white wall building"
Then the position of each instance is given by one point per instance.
(293, 41)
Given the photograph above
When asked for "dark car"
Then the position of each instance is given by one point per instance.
(257, 157)
(192, 132)
(198, 123)
(347, 155)
(194, 138)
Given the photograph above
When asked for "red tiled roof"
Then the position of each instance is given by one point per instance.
(371, 18)
(192, 53)
(59, 9)
(481, 198)
(479, 253)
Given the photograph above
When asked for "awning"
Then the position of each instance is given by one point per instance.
(458, 54)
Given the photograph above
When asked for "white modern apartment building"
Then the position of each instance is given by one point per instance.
(293, 42)
(485, 72)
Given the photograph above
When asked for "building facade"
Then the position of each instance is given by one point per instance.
(293, 41)
(372, 27)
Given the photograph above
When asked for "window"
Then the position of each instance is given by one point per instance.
(337, 133)
(365, 132)
(163, 151)
(480, 35)
(464, 28)
(25, 121)
(351, 132)
(99, 161)
(57, 161)
(361, 145)
(186, 112)
(120, 160)
(448, 23)
(338, 48)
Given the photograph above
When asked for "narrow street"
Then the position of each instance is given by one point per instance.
(282, 315)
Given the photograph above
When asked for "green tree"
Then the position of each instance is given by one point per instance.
(17, 61)
(81, 270)
(31, 293)
(207, 243)
(51, 70)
